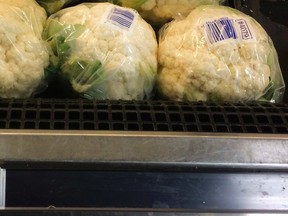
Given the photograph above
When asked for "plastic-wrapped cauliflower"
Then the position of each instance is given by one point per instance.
(161, 11)
(218, 54)
(23, 54)
(105, 51)
(30, 13)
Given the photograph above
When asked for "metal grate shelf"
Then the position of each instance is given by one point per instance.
(159, 116)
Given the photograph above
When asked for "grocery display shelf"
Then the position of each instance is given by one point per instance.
(143, 134)
(160, 116)
(75, 157)
(177, 157)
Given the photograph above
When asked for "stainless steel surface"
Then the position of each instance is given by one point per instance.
(119, 212)
(190, 149)
(2, 187)
(127, 211)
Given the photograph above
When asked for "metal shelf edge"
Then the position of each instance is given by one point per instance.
(184, 149)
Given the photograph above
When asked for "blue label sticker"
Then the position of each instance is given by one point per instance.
(224, 29)
(121, 18)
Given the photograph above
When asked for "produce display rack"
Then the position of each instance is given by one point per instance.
(148, 155)
(81, 157)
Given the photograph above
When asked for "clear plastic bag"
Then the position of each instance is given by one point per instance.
(23, 53)
(30, 13)
(105, 51)
(158, 12)
(273, 16)
(218, 54)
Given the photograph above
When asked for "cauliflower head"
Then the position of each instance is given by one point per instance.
(23, 55)
(218, 54)
(160, 11)
(104, 50)
(29, 11)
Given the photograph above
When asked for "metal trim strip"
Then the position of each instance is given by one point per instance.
(2, 188)
(140, 212)
(184, 149)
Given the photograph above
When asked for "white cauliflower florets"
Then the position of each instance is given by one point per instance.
(199, 62)
(102, 60)
(23, 55)
(29, 12)
(164, 10)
